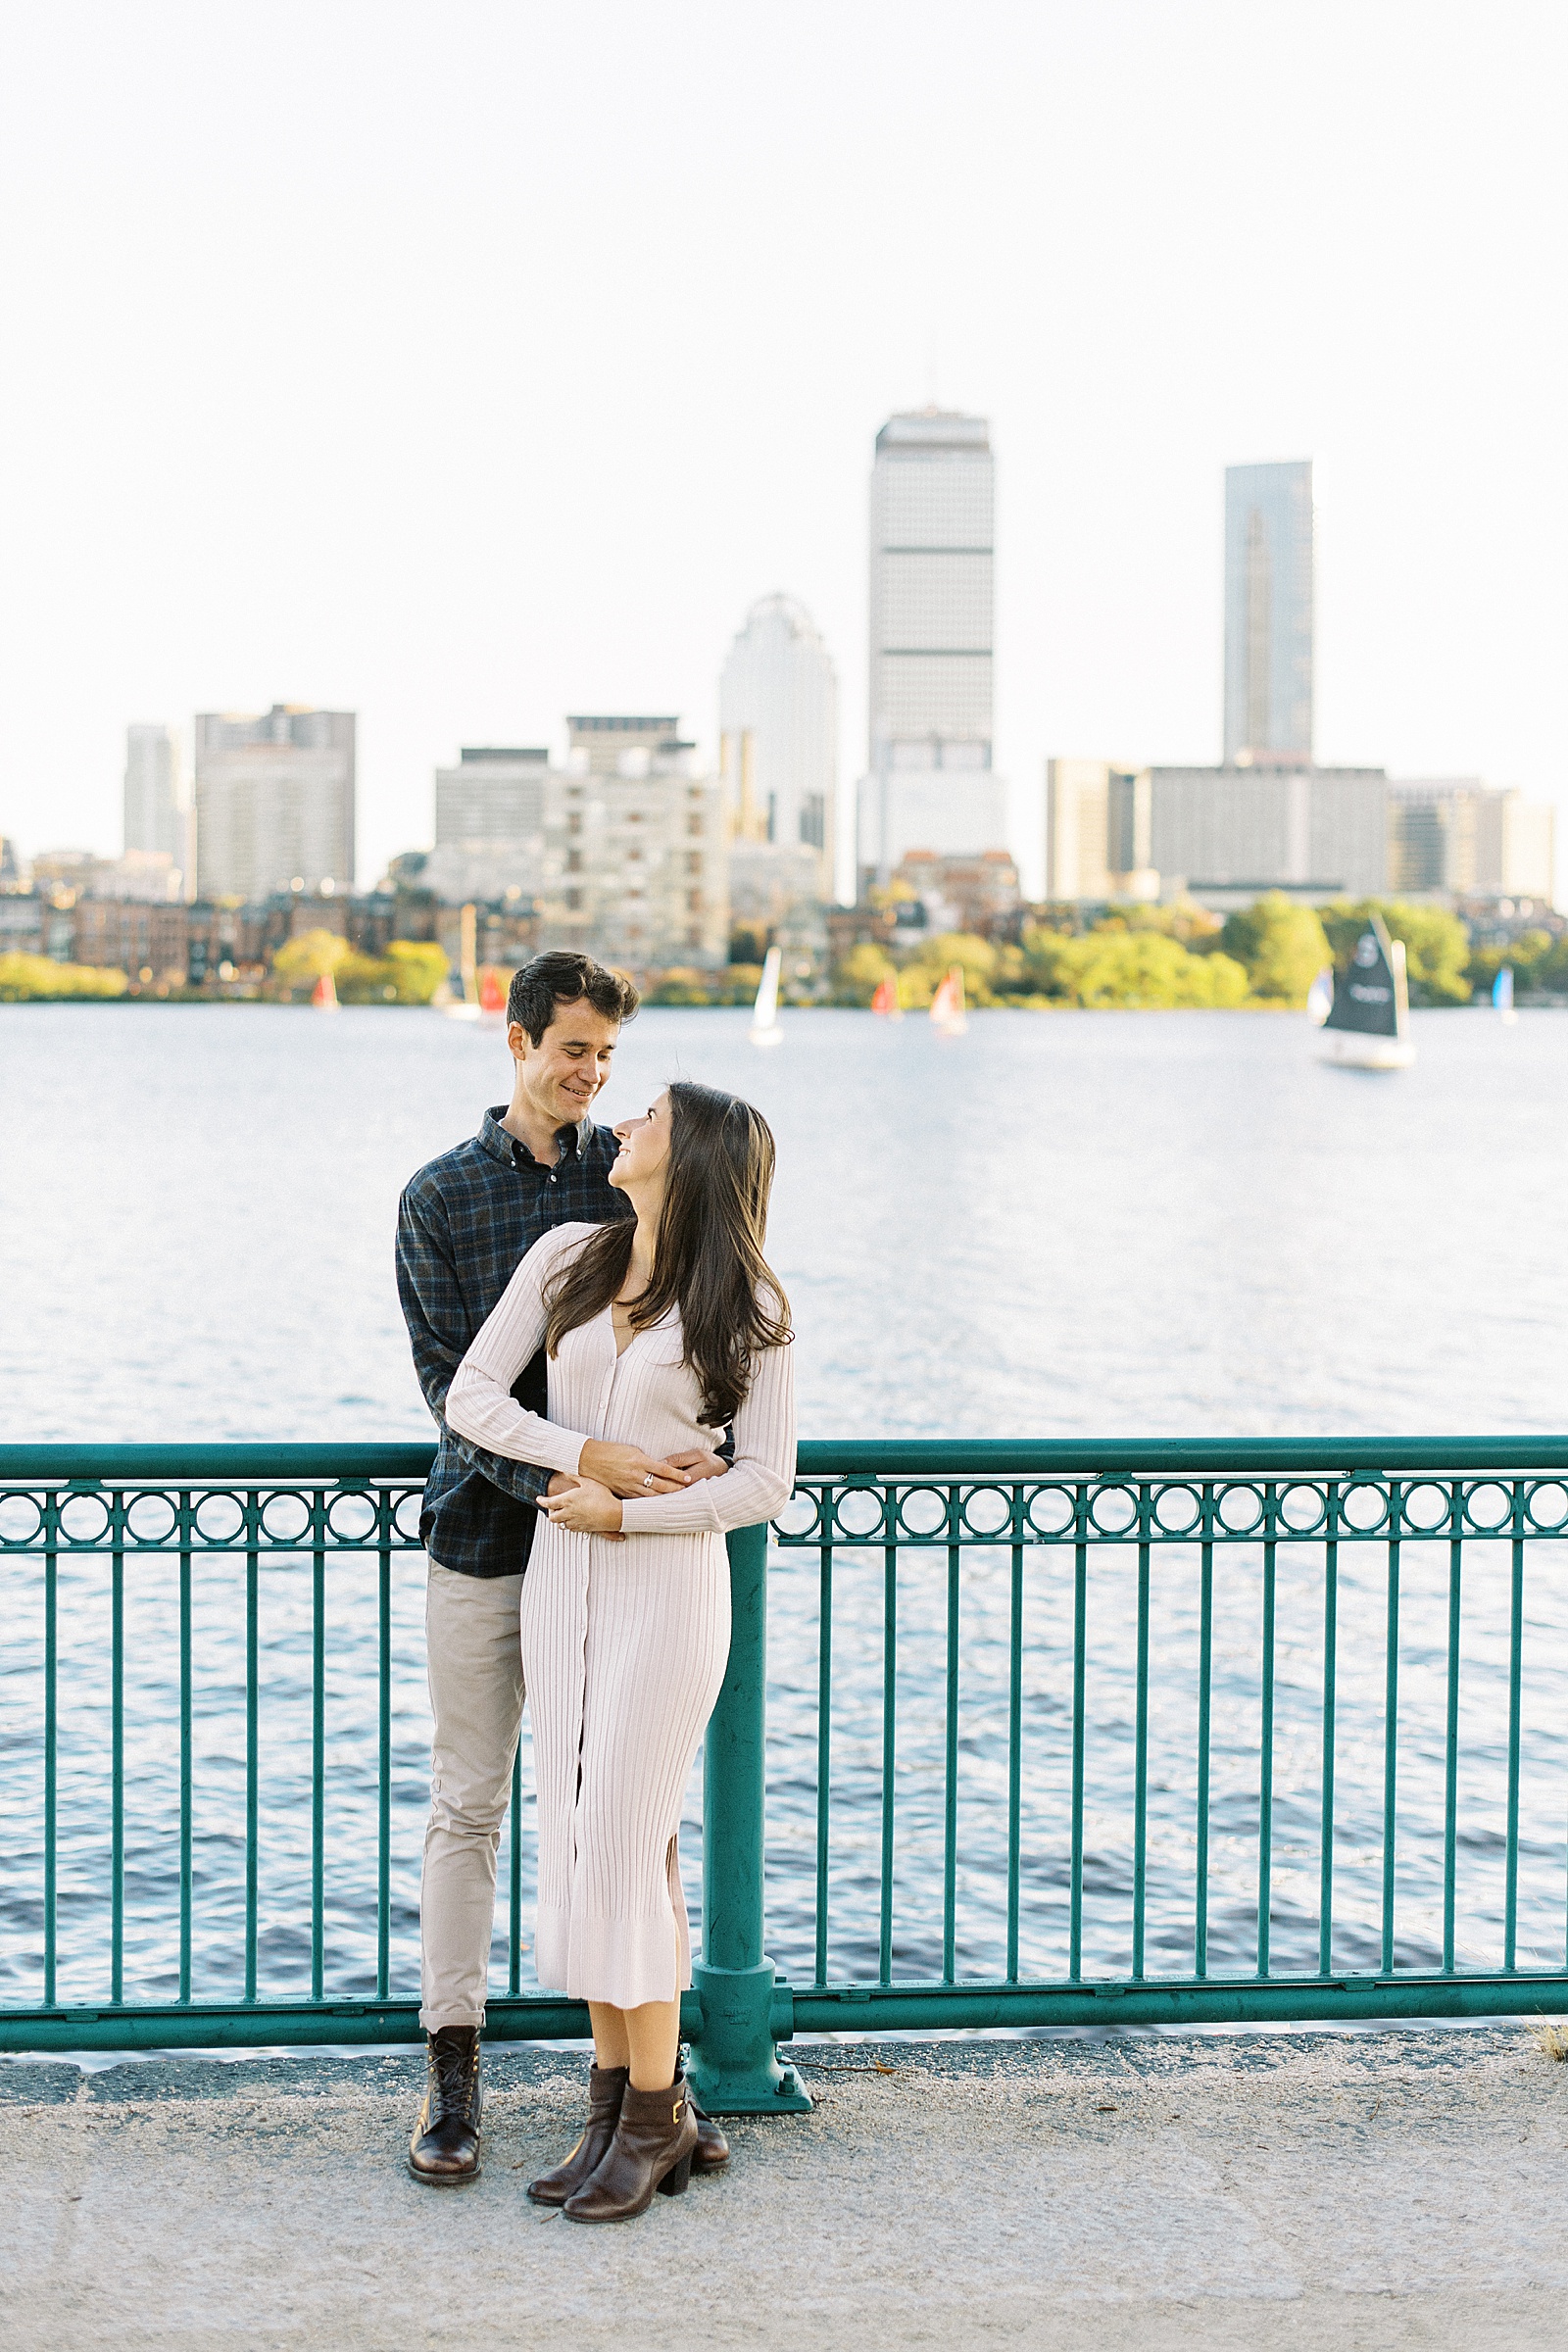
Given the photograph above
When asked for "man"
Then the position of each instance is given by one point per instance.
(463, 1222)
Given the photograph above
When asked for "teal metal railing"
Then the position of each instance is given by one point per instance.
(1071, 1734)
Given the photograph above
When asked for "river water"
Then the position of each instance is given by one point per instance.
(1095, 1224)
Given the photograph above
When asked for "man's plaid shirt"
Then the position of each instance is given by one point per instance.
(462, 1224)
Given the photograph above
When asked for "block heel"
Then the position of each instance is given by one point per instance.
(674, 2183)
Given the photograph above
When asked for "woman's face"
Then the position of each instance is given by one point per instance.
(644, 1147)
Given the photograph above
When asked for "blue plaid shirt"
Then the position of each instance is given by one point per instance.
(463, 1222)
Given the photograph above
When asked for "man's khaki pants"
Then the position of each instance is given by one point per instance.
(475, 1662)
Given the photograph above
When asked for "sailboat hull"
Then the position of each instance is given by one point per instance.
(1348, 1050)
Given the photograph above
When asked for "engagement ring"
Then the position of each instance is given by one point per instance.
(649, 1480)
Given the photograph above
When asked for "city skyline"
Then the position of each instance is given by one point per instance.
(432, 497)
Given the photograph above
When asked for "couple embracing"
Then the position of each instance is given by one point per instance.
(607, 1357)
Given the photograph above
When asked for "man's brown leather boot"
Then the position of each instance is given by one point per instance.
(652, 2150)
(605, 2087)
(444, 2152)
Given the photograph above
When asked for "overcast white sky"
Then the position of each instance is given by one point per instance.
(462, 365)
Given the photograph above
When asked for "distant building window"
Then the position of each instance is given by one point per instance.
(694, 862)
(693, 826)
(574, 899)
(694, 902)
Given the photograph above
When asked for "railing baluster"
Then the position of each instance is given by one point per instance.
(889, 1692)
(318, 1757)
(1206, 1687)
(116, 1787)
(1391, 1752)
(1141, 1763)
(252, 1743)
(1265, 1777)
(949, 1843)
(1080, 1618)
(383, 1777)
(514, 1878)
(51, 1744)
(1014, 1754)
(1516, 1627)
(186, 1778)
(824, 1744)
(1451, 1762)
(1331, 1644)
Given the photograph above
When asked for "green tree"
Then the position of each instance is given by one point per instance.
(859, 974)
(300, 962)
(1112, 967)
(975, 957)
(417, 968)
(1437, 948)
(38, 979)
(1282, 946)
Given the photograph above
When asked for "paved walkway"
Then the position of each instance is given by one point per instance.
(1311, 2190)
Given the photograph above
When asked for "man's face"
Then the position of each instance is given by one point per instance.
(561, 1074)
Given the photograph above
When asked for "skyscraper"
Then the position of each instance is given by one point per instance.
(154, 821)
(1268, 614)
(929, 783)
(275, 801)
(778, 717)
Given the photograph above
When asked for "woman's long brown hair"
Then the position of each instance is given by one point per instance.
(707, 1254)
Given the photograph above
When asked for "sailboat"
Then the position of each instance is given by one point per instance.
(467, 1007)
(947, 1016)
(1369, 1023)
(492, 998)
(1320, 996)
(1503, 995)
(323, 996)
(885, 1000)
(765, 1030)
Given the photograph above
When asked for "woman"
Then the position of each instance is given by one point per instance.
(663, 1333)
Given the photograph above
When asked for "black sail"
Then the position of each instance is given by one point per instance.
(1366, 995)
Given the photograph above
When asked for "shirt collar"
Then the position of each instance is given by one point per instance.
(573, 1138)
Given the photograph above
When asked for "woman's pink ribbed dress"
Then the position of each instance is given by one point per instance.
(624, 1645)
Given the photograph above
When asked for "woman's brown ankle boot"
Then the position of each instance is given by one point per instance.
(652, 2149)
(607, 2087)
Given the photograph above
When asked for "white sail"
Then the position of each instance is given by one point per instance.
(765, 1030)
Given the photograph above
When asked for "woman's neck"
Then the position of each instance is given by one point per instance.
(640, 1272)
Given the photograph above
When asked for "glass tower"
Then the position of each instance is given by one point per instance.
(1268, 614)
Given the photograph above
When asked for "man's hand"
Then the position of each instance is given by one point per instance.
(626, 1470)
(583, 1505)
(698, 1464)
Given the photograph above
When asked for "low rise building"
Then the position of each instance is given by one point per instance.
(979, 894)
(1457, 838)
(147, 939)
(1219, 835)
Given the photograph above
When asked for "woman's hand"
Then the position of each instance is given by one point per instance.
(583, 1505)
(626, 1470)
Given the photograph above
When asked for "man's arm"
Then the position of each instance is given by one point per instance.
(439, 1332)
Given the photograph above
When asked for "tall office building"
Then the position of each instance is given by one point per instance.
(929, 783)
(275, 801)
(778, 717)
(491, 796)
(154, 821)
(1268, 614)
(646, 878)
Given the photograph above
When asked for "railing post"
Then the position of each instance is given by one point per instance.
(735, 2066)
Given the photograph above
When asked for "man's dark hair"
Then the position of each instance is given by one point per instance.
(565, 977)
